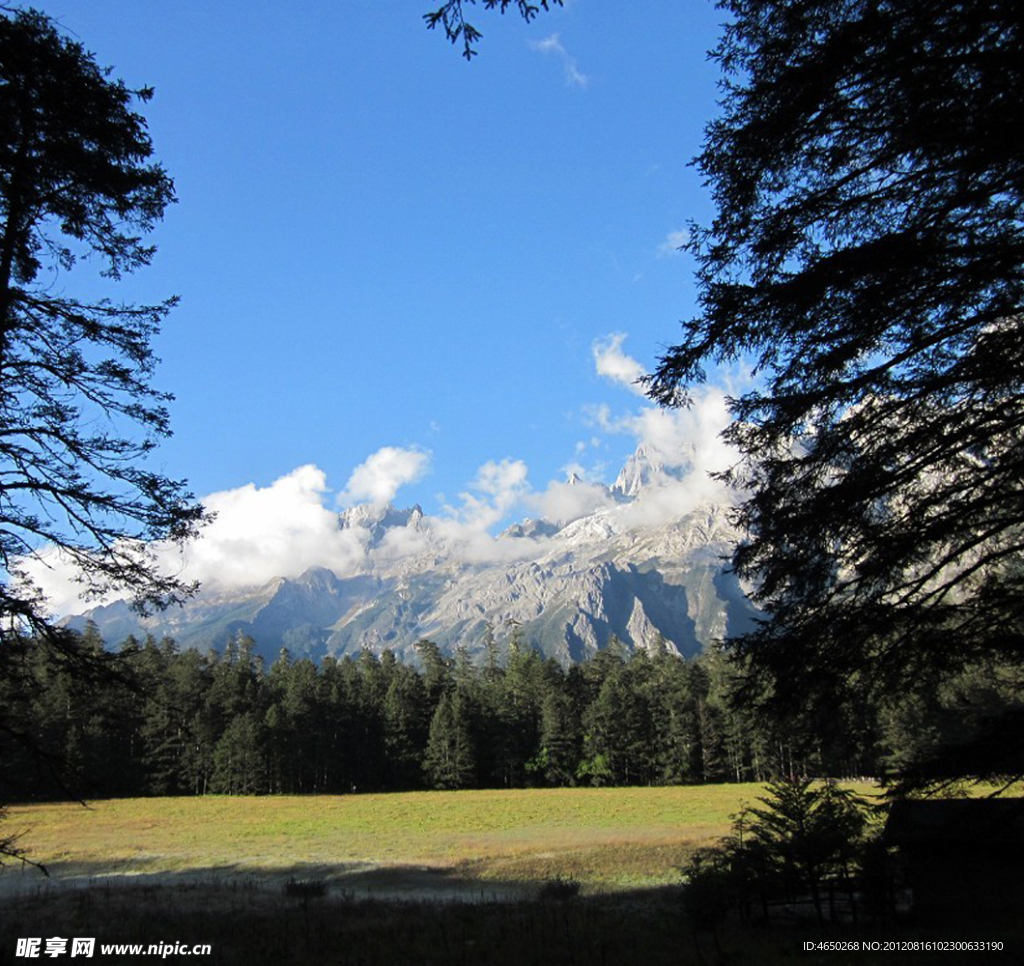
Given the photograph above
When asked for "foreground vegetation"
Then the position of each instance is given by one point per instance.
(247, 926)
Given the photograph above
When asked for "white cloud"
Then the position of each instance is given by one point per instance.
(498, 487)
(659, 505)
(564, 502)
(689, 436)
(257, 534)
(686, 442)
(281, 530)
(574, 77)
(674, 240)
(402, 543)
(52, 571)
(275, 531)
(382, 475)
(687, 448)
(612, 363)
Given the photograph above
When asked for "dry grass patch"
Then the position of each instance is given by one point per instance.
(613, 865)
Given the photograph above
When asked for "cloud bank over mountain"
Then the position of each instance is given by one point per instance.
(292, 524)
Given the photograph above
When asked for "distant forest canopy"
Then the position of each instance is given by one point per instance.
(155, 720)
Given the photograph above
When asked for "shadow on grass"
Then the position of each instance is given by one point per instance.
(366, 915)
(347, 880)
(363, 916)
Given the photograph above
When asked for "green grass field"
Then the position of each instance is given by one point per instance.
(606, 838)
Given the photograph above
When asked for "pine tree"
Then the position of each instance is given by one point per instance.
(77, 412)
(193, 729)
(239, 760)
(558, 756)
(867, 257)
(406, 730)
(677, 731)
(449, 16)
(619, 729)
(450, 759)
(518, 721)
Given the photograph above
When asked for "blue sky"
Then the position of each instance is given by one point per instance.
(379, 245)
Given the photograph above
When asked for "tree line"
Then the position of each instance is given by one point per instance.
(150, 719)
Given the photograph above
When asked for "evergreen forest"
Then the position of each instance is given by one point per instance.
(150, 719)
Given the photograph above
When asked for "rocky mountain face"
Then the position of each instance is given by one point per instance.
(634, 569)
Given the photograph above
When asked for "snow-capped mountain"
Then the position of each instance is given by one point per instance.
(644, 469)
(648, 564)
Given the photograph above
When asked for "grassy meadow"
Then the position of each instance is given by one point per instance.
(604, 837)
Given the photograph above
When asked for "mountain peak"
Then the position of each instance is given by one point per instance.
(378, 519)
(532, 529)
(646, 467)
(316, 579)
(640, 470)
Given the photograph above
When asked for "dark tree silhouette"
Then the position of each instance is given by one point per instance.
(867, 256)
(78, 415)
